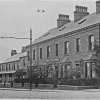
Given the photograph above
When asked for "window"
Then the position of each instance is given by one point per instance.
(48, 51)
(17, 65)
(78, 45)
(66, 47)
(28, 54)
(14, 66)
(87, 70)
(9, 67)
(56, 71)
(56, 49)
(0, 68)
(40, 53)
(23, 62)
(91, 42)
(33, 54)
(6, 67)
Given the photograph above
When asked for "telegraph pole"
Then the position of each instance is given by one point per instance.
(30, 59)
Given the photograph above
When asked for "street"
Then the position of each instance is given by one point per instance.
(12, 93)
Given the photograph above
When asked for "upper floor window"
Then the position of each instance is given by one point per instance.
(48, 51)
(66, 47)
(91, 42)
(78, 45)
(23, 62)
(17, 65)
(33, 54)
(14, 66)
(56, 49)
(0, 68)
(6, 67)
(40, 53)
(28, 55)
(9, 67)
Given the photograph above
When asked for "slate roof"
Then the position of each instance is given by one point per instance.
(69, 27)
(14, 57)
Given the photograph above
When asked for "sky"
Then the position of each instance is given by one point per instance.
(18, 16)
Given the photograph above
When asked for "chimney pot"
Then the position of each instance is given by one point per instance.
(80, 12)
(62, 20)
(97, 7)
(13, 52)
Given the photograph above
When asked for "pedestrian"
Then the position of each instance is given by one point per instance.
(11, 84)
(22, 84)
(4, 83)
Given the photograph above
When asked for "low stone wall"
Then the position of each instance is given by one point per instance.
(47, 86)
(69, 87)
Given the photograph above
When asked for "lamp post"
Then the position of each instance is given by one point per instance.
(30, 59)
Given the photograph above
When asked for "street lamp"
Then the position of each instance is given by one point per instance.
(30, 59)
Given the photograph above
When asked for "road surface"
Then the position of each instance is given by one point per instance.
(12, 93)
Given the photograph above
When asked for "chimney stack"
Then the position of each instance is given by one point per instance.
(97, 7)
(23, 49)
(13, 52)
(80, 12)
(62, 20)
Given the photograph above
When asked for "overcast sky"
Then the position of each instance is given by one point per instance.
(18, 16)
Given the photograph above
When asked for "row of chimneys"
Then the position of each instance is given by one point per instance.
(79, 13)
(13, 52)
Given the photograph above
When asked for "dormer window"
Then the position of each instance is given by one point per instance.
(82, 21)
(46, 34)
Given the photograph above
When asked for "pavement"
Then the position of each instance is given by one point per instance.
(15, 93)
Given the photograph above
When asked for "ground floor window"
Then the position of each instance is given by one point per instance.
(65, 68)
(10, 77)
(87, 70)
(56, 71)
(93, 71)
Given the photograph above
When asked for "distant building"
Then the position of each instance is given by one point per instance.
(10, 65)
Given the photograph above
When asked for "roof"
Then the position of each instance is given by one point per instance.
(15, 57)
(88, 20)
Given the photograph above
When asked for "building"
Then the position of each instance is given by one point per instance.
(65, 47)
(10, 65)
(69, 45)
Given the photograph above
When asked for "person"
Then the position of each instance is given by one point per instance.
(11, 83)
(22, 84)
(4, 83)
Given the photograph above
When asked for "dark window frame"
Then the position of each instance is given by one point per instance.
(56, 46)
(66, 47)
(40, 53)
(33, 54)
(48, 51)
(78, 45)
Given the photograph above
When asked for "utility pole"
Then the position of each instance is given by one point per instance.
(30, 59)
